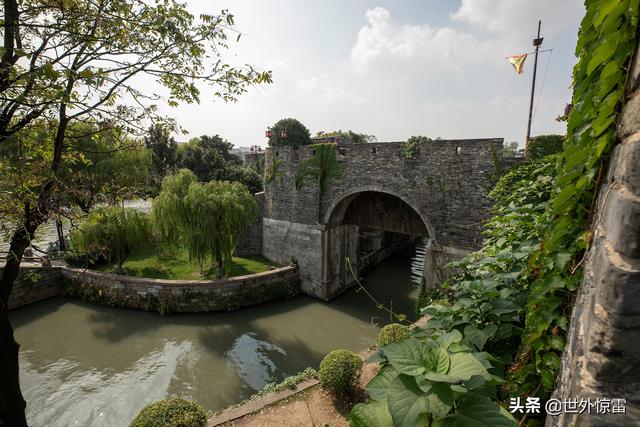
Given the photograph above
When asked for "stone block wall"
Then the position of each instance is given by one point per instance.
(602, 356)
(34, 284)
(251, 241)
(183, 296)
(285, 242)
(447, 184)
(283, 201)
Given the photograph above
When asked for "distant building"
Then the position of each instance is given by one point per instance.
(254, 159)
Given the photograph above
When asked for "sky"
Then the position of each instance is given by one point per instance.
(392, 68)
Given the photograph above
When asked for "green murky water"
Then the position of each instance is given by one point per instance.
(89, 365)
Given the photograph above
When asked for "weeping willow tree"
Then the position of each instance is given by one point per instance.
(206, 219)
(169, 208)
(111, 233)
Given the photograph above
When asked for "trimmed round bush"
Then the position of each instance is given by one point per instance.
(339, 371)
(171, 413)
(393, 332)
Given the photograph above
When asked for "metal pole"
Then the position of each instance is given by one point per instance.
(536, 42)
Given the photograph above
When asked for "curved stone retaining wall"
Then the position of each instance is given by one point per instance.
(164, 296)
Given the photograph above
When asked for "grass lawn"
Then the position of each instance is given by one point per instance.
(150, 262)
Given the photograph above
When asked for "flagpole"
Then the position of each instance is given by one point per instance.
(536, 42)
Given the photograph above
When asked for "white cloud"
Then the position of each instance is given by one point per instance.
(447, 78)
(512, 17)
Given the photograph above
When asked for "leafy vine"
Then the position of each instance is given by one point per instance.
(606, 42)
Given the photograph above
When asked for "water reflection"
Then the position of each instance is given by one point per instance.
(90, 365)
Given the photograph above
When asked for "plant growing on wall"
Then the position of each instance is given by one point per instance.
(322, 168)
(606, 42)
(272, 172)
(412, 146)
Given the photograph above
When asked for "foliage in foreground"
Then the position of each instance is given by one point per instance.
(288, 383)
(111, 233)
(606, 42)
(339, 372)
(171, 413)
(433, 379)
(206, 219)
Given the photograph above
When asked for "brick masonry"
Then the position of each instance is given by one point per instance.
(34, 284)
(602, 356)
(164, 296)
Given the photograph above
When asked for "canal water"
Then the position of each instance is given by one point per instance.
(89, 365)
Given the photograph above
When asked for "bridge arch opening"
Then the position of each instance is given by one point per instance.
(368, 226)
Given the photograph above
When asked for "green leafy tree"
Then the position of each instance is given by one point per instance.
(296, 133)
(163, 148)
(111, 233)
(248, 177)
(347, 136)
(206, 161)
(80, 61)
(543, 145)
(511, 149)
(206, 218)
(210, 158)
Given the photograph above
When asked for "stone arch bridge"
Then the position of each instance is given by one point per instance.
(440, 195)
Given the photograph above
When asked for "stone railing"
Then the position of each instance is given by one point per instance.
(164, 296)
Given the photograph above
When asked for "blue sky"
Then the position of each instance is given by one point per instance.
(393, 68)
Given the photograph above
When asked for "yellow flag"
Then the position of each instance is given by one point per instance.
(518, 62)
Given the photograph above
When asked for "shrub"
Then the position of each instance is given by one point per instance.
(171, 413)
(412, 146)
(112, 233)
(339, 371)
(543, 145)
(394, 332)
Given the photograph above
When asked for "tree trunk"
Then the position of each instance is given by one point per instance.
(12, 404)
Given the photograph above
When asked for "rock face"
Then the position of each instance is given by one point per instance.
(439, 194)
(602, 357)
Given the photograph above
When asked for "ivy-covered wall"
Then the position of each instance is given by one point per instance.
(602, 357)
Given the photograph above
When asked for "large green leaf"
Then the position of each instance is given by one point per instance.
(407, 356)
(408, 403)
(370, 414)
(466, 365)
(445, 340)
(379, 385)
(437, 360)
(478, 337)
(477, 411)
